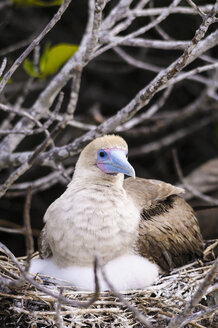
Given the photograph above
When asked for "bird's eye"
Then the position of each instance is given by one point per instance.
(102, 154)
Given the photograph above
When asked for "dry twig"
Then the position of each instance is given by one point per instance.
(181, 319)
(28, 229)
(25, 277)
(190, 188)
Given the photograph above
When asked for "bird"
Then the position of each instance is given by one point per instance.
(138, 227)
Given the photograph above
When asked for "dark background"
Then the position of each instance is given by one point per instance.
(108, 83)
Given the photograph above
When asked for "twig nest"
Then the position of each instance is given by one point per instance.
(26, 306)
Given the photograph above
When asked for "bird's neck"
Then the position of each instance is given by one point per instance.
(115, 181)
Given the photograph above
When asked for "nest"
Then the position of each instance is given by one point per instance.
(25, 305)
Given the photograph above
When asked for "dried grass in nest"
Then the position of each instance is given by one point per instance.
(26, 306)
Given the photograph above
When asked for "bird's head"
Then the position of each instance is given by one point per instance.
(105, 157)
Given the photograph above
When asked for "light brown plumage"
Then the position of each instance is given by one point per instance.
(105, 214)
(169, 233)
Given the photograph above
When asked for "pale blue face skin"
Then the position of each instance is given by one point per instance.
(113, 161)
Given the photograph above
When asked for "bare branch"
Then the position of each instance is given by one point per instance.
(150, 112)
(11, 227)
(3, 65)
(139, 316)
(47, 97)
(40, 184)
(158, 11)
(170, 139)
(189, 75)
(18, 45)
(180, 319)
(196, 8)
(20, 112)
(117, 13)
(34, 43)
(166, 12)
(58, 318)
(27, 165)
(190, 188)
(145, 43)
(26, 277)
(13, 231)
(72, 104)
(137, 63)
(142, 98)
(28, 229)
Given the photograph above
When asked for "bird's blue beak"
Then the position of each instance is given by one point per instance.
(114, 161)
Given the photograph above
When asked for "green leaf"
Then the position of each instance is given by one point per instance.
(51, 60)
(37, 3)
(30, 69)
(44, 57)
(54, 57)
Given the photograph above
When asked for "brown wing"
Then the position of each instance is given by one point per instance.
(169, 233)
(44, 247)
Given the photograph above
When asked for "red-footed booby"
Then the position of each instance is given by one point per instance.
(136, 226)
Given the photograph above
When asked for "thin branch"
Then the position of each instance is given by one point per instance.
(13, 231)
(200, 315)
(139, 316)
(172, 138)
(34, 43)
(117, 13)
(61, 153)
(27, 165)
(93, 39)
(26, 277)
(135, 62)
(158, 28)
(58, 318)
(189, 74)
(150, 112)
(26, 89)
(28, 229)
(40, 184)
(46, 98)
(146, 66)
(143, 97)
(11, 227)
(157, 11)
(165, 13)
(145, 43)
(20, 112)
(170, 120)
(189, 187)
(73, 95)
(3, 65)
(18, 45)
(60, 126)
(196, 8)
(42, 128)
(180, 320)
